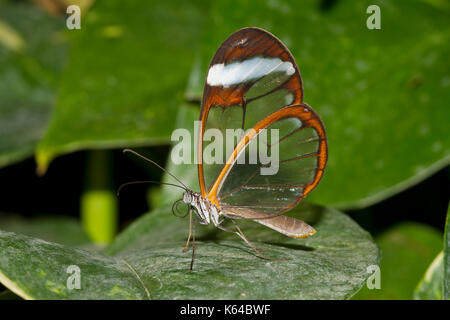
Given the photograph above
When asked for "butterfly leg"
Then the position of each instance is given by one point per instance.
(242, 236)
(186, 246)
(193, 248)
(191, 234)
(245, 239)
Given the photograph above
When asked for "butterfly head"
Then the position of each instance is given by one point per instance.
(188, 196)
(183, 211)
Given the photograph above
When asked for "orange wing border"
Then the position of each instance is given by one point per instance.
(308, 117)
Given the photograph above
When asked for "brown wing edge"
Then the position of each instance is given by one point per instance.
(220, 54)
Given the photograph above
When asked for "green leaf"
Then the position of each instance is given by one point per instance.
(430, 287)
(382, 94)
(147, 262)
(435, 283)
(446, 286)
(37, 269)
(407, 250)
(32, 53)
(125, 77)
(330, 265)
(60, 229)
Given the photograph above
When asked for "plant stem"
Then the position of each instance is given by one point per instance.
(99, 208)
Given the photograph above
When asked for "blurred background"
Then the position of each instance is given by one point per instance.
(72, 99)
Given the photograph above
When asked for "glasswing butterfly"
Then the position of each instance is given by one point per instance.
(254, 84)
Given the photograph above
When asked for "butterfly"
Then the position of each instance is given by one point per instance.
(254, 85)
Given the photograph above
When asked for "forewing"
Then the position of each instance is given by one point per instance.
(251, 76)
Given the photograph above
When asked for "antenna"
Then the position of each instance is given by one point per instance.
(146, 181)
(154, 163)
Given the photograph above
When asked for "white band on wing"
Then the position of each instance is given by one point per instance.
(254, 68)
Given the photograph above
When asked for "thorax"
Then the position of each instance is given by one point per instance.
(205, 209)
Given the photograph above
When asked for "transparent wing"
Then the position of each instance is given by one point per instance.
(275, 165)
(289, 226)
(251, 76)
